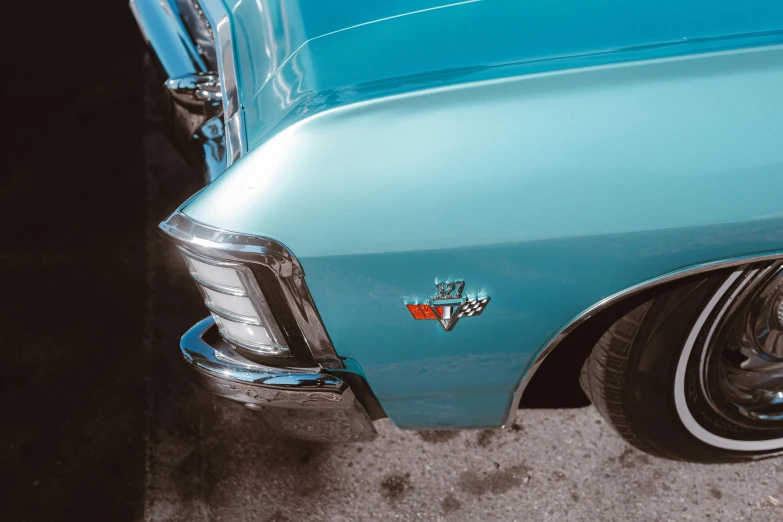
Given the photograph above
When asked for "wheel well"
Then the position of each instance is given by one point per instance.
(556, 382)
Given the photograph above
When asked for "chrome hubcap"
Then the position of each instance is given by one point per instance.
(747, 359)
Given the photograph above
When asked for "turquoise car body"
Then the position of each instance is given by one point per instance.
(550, 154)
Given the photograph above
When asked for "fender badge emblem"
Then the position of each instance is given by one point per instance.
(448, 306)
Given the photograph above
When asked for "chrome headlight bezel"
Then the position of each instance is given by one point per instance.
(271, 270)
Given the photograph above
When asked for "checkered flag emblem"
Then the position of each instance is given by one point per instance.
(448, 306)
(473, 307)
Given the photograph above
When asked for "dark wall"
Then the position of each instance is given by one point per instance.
(72, 271)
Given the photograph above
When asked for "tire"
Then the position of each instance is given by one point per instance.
(655, 374)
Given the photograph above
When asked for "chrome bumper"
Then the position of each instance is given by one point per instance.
(304, 404)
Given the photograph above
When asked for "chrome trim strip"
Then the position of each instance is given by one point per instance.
(234, 126)
(209, 260)
(304, 404)
(615, 298)
(212, 242)
(218, 17)
(258, 349)
(201, 239)
(218, 288)
(231, 316)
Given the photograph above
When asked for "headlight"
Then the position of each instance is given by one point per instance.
(256, 291)
(240, 310)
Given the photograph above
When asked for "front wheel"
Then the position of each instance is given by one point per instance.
(696, 373)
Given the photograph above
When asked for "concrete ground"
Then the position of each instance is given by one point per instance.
(100, 423)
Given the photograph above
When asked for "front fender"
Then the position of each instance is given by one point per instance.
(548, 192)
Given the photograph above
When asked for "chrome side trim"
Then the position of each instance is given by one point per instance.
(234, 146)
(218, 17)
(222, 244)
(304, 404)
(613, 299)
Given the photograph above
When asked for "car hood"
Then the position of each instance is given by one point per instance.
(299, 57)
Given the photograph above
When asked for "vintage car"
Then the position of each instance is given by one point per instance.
(411, 205)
